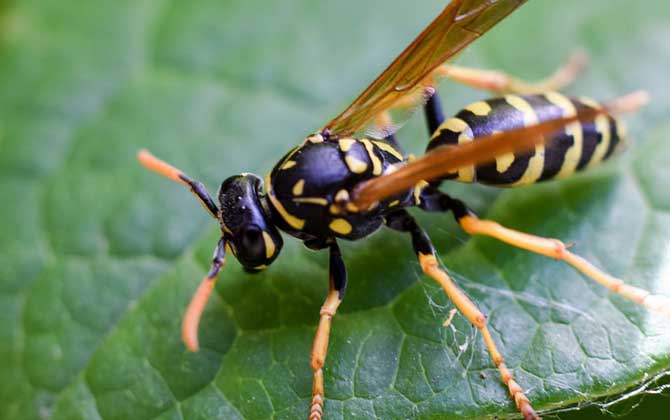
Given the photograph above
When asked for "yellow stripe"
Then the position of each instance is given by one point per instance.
(622, 134)
(480, 108)
(536, 162)
(589, 102)
(602, 126)
(418, 189)
(269, 245)
(288, 164)
(340, 226)
(572, 155)
(311, 200)
(342, 196)
(456, 125)
(466, 174)
(503, 162)
(355, 165)
(299, 187)
(520, 104)
(315, 138)
(290, 219)
(376, 163)
(345, 144)
(388, 148)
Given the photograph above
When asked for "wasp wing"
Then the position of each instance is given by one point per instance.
(409, 81)
(447, 159)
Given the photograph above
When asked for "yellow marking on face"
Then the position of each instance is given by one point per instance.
(311, 200)
(261, 267)
(503, 162)
(355, 165)
(388, 148)
(345, 144)
(376, 162)
(480, 108)
(288, 164)
(602, 124)
(342, 195)
(394, 203)
(352, 208)
(418, 188)
(315, 138)
(299, 187)
(572, 155)
(269, 245)
(291, 220)
(340, 226)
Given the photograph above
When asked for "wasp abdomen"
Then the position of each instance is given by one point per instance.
(578, 146)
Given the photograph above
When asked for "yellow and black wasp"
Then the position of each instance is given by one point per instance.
(351, 177)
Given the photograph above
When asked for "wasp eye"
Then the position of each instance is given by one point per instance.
(252, 241)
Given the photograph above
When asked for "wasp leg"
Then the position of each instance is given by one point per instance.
(401, 221)
(434, 200)
(434, 114)
(338, 284)
(152, 162)
(499, 82)
(189, 325)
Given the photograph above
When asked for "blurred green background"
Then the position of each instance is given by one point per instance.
(98, 257)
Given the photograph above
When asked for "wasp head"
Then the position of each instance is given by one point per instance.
(246, 222)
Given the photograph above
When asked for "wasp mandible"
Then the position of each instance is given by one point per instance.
(351, 177)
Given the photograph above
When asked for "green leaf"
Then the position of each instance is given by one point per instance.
(100, 257)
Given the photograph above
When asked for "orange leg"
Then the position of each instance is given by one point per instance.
(500, 83)
(338, 281)
(557, 249)
(189, 326)
(434, 200)
(430, 266)
(402, 221)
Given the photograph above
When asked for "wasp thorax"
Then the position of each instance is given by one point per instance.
(246, 222)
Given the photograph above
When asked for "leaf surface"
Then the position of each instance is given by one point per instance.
(98, 257)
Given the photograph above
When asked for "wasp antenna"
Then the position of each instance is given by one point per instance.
(189, 326)
(197, 188)
(153, 163)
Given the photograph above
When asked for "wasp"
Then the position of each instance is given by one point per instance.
(351, 177)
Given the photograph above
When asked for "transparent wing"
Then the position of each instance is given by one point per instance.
(409, 81)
